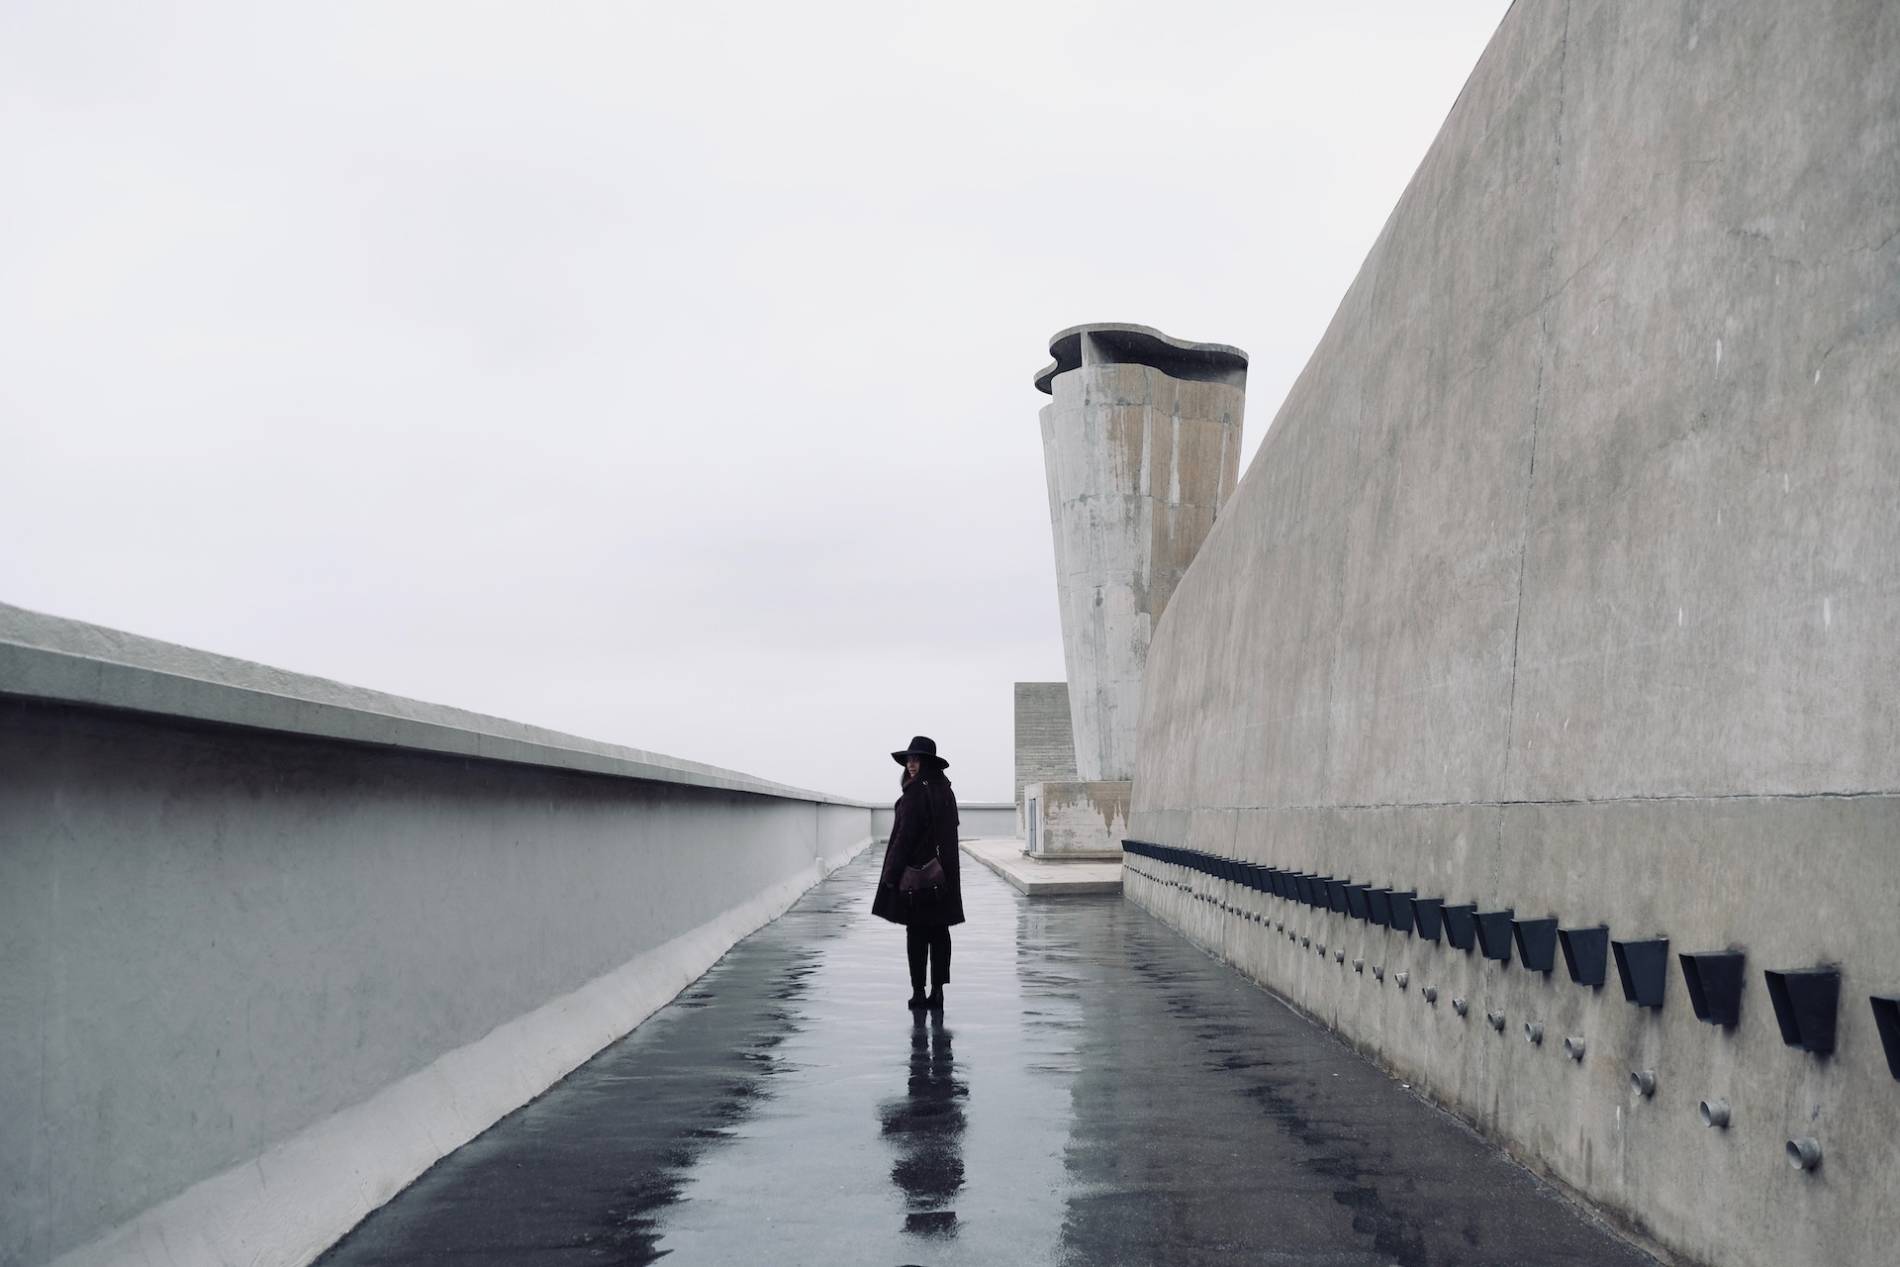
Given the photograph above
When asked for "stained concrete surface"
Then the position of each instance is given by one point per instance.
(1044, 737)
(1096, 1091)
(1072, 820)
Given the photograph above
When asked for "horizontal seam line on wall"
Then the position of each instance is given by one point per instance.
(1686, 798)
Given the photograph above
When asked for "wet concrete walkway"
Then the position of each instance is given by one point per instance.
(1097, 1091)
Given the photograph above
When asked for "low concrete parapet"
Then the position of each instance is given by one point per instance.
(976, 820)
(274, 945)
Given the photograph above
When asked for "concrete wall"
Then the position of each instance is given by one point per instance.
(975, 820)
(1141, 445)
(1045, 739)
(1075, 819)
(274, 945)
(1566, 580)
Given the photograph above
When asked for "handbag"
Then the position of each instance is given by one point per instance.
(922, 882)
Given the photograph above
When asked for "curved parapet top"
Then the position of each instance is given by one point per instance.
(1121, 343)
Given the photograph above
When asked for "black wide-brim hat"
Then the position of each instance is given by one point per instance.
(921, 746)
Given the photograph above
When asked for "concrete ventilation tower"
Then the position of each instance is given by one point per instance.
(1141, 444)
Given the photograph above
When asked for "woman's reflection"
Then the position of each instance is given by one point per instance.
(928, 1127)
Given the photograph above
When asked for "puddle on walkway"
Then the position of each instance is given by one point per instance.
(1096, 1092)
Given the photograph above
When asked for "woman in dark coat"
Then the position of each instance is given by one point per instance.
(925, 828)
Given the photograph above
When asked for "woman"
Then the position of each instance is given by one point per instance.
(924, 830)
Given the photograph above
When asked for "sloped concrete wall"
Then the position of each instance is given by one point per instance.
(272, 945)
(1567, 580)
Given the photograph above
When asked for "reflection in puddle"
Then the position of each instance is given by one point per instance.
(927, 1125)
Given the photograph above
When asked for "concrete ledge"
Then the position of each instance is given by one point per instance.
(1044, 879)
(69, 661)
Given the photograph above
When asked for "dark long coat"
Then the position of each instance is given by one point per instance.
(925, 823)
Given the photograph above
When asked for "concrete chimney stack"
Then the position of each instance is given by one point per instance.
(1141, 445)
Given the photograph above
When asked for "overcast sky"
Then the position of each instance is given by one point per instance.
(658, 373)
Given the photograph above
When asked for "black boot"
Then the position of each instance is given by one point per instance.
(917, 1001)
(935, 1001)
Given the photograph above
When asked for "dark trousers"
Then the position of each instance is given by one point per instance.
(928, 942)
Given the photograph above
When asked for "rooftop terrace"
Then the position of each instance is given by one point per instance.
(1096, 1091)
